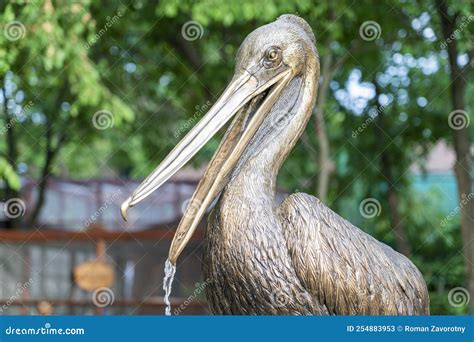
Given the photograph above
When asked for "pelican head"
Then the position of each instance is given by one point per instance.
(267, 62)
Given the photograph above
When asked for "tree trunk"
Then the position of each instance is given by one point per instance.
(401, 241)
(54, 143)
(51, 153)
(326, 165)
(463, 164)
(11, 156)
(42, 186)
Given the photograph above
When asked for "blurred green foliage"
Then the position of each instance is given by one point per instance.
(130, 59)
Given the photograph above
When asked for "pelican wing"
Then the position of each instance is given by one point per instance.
(345, 268)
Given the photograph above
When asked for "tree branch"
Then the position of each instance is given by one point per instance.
(51, 152)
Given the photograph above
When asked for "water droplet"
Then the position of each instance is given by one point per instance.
(170, 270)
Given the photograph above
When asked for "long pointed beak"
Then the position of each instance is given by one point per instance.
(239, 93)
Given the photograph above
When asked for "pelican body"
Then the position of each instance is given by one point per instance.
(299, 258)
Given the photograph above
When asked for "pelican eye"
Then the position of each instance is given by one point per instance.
(272, 57)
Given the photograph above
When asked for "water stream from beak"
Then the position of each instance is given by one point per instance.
(170, 270)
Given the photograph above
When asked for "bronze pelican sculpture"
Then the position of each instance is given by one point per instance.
(299, 258)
